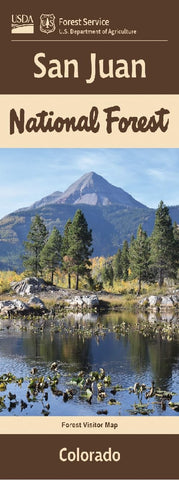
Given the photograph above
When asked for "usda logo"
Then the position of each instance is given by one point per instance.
(22, 24)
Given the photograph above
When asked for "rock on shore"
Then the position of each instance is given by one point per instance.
(159, 303)
(30, 285)
(16, 306)
(83, 301)
(12, 306)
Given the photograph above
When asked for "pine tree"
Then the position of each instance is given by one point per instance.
(125, 260)
(66, 259)
(117, 267)
(176, 245)
(163, 245)
(139, 256)
(36, 240)
(80, 241)
(108, 273)
(50, 255)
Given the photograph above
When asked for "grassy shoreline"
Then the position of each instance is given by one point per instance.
(122, 296)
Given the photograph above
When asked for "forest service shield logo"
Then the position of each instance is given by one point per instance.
(47, 23)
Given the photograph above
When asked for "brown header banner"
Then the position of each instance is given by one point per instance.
(141, 456)
(89, 47)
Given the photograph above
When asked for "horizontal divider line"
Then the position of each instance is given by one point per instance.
(60, 40)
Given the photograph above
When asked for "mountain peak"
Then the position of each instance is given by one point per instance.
(93, 189)
(90, 189)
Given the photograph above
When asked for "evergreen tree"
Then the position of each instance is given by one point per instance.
(50, 255)
(139, 256)
(80, 241)
(117, 267)
(176, 244)
(163, 245)
(108, 273)
(36, 239)
(66, 259)
(125, 260)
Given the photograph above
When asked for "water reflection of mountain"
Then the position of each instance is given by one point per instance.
(128, 357)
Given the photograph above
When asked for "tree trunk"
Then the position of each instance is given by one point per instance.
(52, 278)
(77, 279)
(160, 282)
(36, 264)
(69, 280)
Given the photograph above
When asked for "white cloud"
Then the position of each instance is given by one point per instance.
(156, 174)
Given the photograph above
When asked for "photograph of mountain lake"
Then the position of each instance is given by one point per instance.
(105, 366)
(89, 282)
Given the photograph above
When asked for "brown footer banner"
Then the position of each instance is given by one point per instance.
(88, 457)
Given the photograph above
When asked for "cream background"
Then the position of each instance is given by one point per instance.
(77, 105)
(53, 425)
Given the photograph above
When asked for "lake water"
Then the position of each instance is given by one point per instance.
(84, 345)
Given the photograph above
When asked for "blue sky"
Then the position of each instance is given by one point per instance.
(26, 175)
